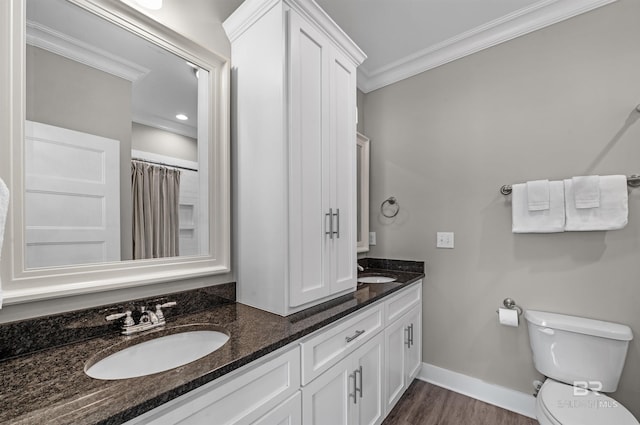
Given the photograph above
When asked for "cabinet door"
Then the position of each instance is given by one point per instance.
(395, 344)
(414, 350)
(309, 197)
(369, 361)
(326, 400)
(403, 344)
(288, 413)
(350, 392)
(342, 177)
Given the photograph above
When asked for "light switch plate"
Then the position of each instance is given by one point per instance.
(444, 240)
(372, 238)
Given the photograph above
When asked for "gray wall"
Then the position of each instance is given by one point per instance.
(68, 94)
(553, 104)
(199, 20)
(161, 142)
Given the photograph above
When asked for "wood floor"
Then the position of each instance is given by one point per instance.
(427, 404)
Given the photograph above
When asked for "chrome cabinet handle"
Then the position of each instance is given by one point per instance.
(355, 388)
(359, 389)
(337, 215)
(330, 215)
(351, 338)
(411, 335)
(408, 340)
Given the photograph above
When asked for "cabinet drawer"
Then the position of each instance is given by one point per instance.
(240, 399)
(325, 348)
(402, 302)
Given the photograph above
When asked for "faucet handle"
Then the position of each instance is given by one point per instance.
(128, 321)
(159, 308)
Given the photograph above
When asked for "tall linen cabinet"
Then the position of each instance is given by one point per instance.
(294, 154)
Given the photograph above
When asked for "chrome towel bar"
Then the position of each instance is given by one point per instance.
(632, 181)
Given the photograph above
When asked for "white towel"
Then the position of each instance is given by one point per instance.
(538, 195)
(612, 213)
(4, 207)
(543, 221)
(586, 191)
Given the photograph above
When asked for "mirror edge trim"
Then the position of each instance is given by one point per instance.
(364, 141)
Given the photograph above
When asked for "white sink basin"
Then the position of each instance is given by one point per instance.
(376, 279)
(157, 355)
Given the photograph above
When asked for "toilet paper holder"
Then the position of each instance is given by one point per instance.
(510, 303)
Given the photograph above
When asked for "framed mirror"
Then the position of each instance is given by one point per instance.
(118, 160)
(362, 156)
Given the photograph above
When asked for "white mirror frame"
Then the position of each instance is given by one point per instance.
(21, 285)
(363, 192)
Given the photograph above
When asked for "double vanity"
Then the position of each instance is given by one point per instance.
(350, 358)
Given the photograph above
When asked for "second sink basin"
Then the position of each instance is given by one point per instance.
(157, 354)
(376, 279)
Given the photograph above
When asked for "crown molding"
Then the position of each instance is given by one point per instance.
(315, 13)
(246, 15)
(46, 38)
(539, 15)
(251, 10)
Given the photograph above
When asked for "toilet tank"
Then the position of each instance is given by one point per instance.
(570, 348)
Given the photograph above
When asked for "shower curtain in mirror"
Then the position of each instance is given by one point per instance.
(156, 194)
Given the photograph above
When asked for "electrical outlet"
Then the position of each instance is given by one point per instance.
(372, 238)
(444, 240)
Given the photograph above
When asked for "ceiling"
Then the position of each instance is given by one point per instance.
(403, 38)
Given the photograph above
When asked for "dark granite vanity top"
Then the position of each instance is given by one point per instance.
(48, 385)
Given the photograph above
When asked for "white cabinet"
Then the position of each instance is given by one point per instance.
(350, 392)
(403, 343)
(351, 372)
(294, 97)
(241, 398)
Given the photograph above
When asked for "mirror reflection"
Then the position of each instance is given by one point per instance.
(113, 167)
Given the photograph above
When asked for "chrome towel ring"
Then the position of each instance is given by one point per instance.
(390, 207)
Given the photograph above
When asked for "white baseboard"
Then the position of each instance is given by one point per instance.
(506, 398)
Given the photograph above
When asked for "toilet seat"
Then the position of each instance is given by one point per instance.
(557, 405)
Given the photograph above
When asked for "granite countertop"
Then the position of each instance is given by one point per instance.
(50, 386)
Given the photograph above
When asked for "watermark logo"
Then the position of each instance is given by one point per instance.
(582, 388)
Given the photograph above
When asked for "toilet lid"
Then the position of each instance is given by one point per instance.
(567, 408)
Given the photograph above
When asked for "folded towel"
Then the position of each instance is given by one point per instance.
(586, 191)
(612, 213)
(543, 221)
(538, 195)
(4, 208)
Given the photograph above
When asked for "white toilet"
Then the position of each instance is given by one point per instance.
(590, 353)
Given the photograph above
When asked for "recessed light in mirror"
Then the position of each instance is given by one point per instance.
(182, 117)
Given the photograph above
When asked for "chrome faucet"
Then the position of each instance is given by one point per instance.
(148, 319)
